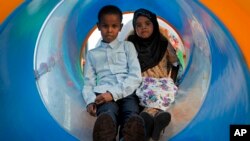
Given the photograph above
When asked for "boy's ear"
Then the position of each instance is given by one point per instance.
(97, 24)
(121, 27)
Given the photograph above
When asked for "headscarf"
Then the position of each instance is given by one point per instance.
(150, 50)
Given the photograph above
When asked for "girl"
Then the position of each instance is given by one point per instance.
(157, 57)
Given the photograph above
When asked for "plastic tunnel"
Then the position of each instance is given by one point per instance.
(42, 44)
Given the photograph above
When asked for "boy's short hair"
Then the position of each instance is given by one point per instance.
(109, 9)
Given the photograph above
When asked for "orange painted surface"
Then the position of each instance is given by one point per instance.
(235, 15)
(7, 7)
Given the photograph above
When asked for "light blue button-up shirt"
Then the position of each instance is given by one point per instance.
(112, 67)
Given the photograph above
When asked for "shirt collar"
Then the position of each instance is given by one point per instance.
(112, 44)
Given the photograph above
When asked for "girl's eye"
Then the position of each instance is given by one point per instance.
(138, 25)
(148, 23)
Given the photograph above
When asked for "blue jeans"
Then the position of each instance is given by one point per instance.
(121, 110)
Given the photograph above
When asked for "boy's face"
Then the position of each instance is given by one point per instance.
(143, 27)
(109, 25)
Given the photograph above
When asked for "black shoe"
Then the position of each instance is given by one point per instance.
(149, 124)
(161, 120)
(134, 129)
(104, 128)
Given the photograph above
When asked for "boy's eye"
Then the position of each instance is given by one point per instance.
(107, 26)
(104, 25)
(115, 26)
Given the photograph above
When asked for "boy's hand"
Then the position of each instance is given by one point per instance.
(103, 98)
(91, 109)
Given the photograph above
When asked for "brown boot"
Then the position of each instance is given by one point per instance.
(134, 129)
(104, 128)
(149, 123)
(161, 120)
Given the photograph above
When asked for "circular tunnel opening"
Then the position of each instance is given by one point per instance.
(59, 58)
(94, 38)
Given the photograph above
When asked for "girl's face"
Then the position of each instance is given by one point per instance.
(110, 25)
(143, 27)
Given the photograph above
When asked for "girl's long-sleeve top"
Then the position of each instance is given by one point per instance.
(112, 67)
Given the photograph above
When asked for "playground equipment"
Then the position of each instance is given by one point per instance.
(41, 76)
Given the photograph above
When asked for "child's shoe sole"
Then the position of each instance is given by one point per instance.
(104, 128)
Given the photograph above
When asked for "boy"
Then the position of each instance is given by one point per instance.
(111, 75)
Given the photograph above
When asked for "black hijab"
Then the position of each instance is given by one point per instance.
(150, 50)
